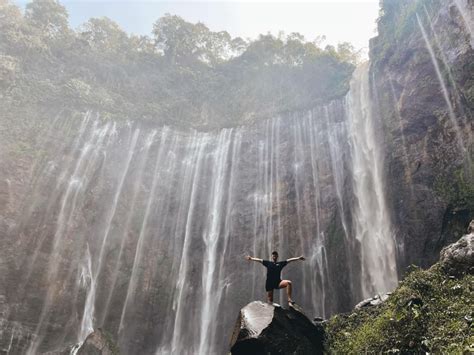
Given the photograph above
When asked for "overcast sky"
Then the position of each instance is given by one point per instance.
(339, 20)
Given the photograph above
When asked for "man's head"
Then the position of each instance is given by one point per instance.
(275, 256)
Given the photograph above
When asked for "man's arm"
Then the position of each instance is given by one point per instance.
(294, 259)
(248, 257)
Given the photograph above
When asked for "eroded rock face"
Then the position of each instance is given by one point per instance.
(262, 328)
(458, 257)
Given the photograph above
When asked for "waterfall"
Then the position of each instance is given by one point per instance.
(73, 196)
(143, 231)
(87, 280)
(373, 230)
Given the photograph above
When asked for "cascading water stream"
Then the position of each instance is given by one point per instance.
(143, 230)
(177, 345)
(211, 238)
(87, 280)
(371, 217)
(72, 198)
(128, 221)
(87, 325)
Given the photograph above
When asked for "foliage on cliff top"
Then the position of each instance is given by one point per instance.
(430, 311)
(397, 21)
(183, 74)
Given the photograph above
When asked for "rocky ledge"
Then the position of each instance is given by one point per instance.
(262, 328)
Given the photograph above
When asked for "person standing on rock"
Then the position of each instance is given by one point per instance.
(274, 280)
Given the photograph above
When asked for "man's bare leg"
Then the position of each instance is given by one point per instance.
(287, 284)
(270, 296)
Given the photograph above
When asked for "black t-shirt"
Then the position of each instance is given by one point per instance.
(274, 270)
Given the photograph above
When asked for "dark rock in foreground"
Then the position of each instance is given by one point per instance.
(98, 343)
(458, 257)
(262, 328)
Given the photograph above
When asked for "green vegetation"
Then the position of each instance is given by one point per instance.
(183, 74)
(430, 311)
(110, 342)
(397, 21)
(457, 189)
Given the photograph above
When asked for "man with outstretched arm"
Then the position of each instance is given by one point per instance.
(274, 280)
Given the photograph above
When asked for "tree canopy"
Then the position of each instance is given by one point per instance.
(183, 74)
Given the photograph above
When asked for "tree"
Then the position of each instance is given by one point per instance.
(347, 53)
(104, 34)
(48, 16)
(10, 23)
(176, 38)
(181, 41)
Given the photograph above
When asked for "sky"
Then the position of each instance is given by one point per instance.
(339, 20)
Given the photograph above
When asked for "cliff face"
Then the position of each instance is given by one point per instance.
(423, 84)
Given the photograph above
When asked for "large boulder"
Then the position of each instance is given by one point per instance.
(263, 328)
(458, 258)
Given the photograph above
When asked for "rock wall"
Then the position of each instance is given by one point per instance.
(423, 83)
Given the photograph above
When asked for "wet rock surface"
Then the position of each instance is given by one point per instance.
(262, 328)
(458, 257)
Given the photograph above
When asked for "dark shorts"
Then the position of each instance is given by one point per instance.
(270, 286)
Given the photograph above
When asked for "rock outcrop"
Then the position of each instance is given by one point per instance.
(372, 301)
(98, 343)
(263, 328)
(458, 258)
